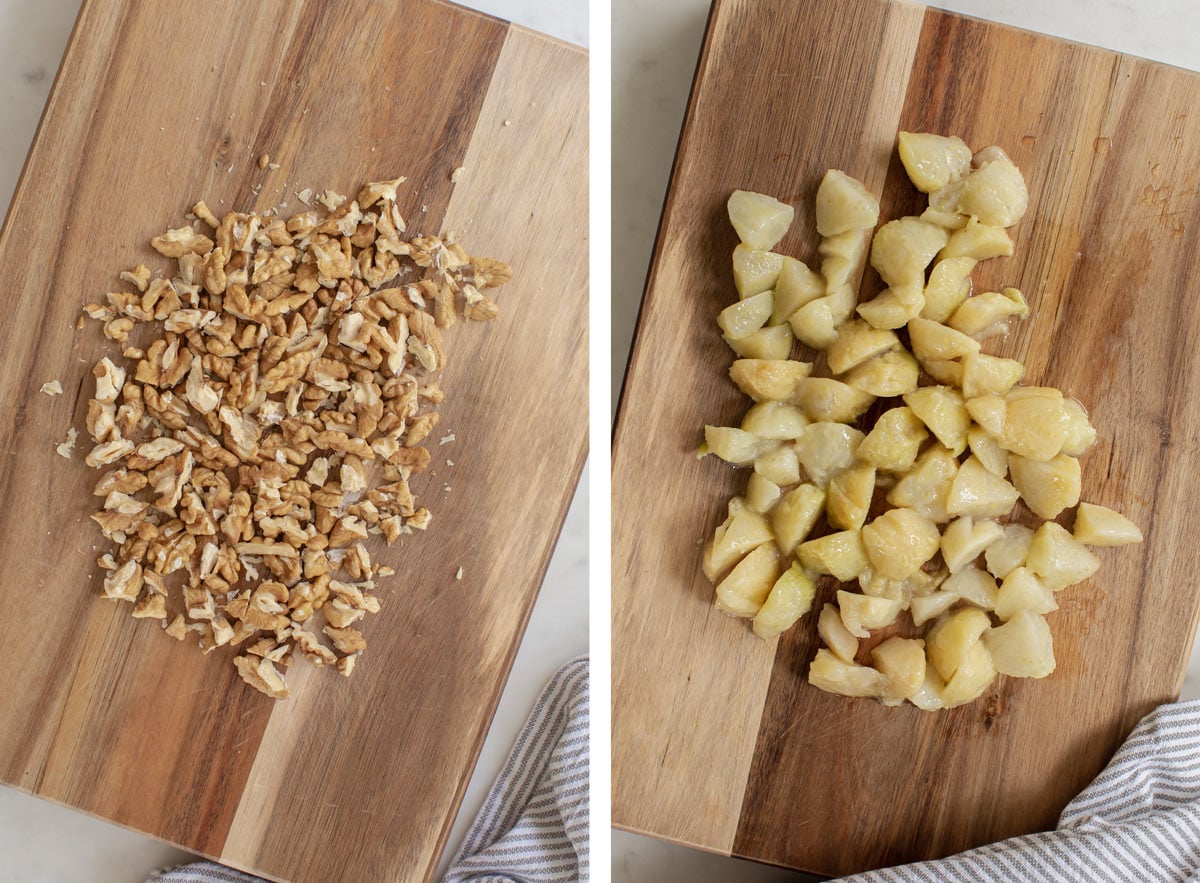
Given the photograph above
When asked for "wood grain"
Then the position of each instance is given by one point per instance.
(107, 714)
(675, 659)
(1108, 260)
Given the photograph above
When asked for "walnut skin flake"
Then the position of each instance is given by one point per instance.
(266, 420)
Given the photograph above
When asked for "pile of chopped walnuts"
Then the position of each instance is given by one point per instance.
(270, 420)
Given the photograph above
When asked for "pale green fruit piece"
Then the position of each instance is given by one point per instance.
(760, 220)
(933, 161)
(844, 203)
(791, 597)
(1022, 647)
(1100, 526)
(755, 271)
(796, 286)
(746, 316)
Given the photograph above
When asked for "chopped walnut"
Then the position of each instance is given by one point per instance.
(151, 607)
(67, 448)
(178, 628)
(52, 388)
(204, 213)
(125, 582)
(261, 674)
(267, 425)
(180, 241)
(138, 277)
(331, 199)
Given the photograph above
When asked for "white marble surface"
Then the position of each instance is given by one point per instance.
(655, 47)
(44, 843)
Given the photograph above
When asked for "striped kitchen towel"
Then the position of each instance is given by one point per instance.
(533, 827)
(201, 872)
(1138, 821)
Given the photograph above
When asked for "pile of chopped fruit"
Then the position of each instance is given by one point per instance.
(941, 467)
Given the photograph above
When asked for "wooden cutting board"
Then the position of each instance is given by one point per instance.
(156, 106)
(718, 741)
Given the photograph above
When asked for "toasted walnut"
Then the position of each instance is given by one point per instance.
(109, 452)
(261, 674)
(151, 606)
(331, 199)
(204, 213)
(490, 273)
(159, 449)
(121, 480)
(312, 649)
(346, 531)
(138, 277)
(479, 307)
(379, 191)
(180, 241)
(420, 428)
(124, 583)
(109, 380)
(346, 640)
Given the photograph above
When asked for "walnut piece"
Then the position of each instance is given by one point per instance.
(67, 448)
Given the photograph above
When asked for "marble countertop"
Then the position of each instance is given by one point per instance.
(45, 843)
(655, 47)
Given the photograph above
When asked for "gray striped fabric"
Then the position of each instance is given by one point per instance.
(201, 872)
(533, 827)
(1138, 821)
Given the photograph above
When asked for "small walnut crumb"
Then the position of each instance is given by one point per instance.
(305, 196)
(68, 447)
(272, 166)
(264, 160)
(446, 439)
(456, 174)
(459, 574)
(52, 388)
(507, 123)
